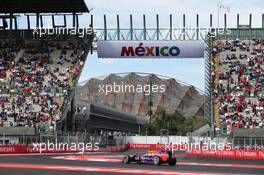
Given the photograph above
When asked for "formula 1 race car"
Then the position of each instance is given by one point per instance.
(155, 157)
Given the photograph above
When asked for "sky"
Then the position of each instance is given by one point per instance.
(190, 71)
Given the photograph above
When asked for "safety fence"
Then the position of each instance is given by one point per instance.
(190, 151)
(242, 154)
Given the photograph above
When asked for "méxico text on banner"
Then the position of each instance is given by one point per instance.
(150, 49)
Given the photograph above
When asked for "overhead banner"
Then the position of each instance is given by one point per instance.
(150, 49)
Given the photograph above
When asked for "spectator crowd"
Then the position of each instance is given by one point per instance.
(238, 83)
(36, 78)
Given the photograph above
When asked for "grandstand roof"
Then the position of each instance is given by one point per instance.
(42, 6)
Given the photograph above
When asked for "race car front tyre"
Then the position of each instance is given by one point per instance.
(172, 161)
(126, 159)
(156, 161)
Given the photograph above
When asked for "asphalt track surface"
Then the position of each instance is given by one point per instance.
(110, 163)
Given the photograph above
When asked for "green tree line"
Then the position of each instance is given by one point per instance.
(173, 122)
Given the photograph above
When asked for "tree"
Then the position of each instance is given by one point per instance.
(176, 123)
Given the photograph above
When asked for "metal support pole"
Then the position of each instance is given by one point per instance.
(170, 26)
(197, 27)
(238, 31)
(53, 21)
(262, 20)
(250, 25)
(184, 26)
(73, 19)
(118, 27)
(225, 24)
(41, 21)
(225, 21)
(211, 20)
(91, 25)
(131, 27)
(157, 21)
(262, 33)
(28, 22)
(250, 20)
(237, 20)
(15, 18)
(65, 21)
(11, 21)
(37, 20)
(105, 28)
(144, 28)
(77, 21)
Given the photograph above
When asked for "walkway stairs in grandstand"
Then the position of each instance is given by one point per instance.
(60, 101)
(216, 112)
(216, 115)
(19, 55)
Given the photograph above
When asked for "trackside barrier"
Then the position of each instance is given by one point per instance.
(158, 146)
(242, 154)
(25, 149)
(117, 148)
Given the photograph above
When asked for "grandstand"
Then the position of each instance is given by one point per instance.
(36, 80)
(237, 80)
(38, 75)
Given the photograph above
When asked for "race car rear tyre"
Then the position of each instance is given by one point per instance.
(156, 161)
(126, 159)
(172, 161)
